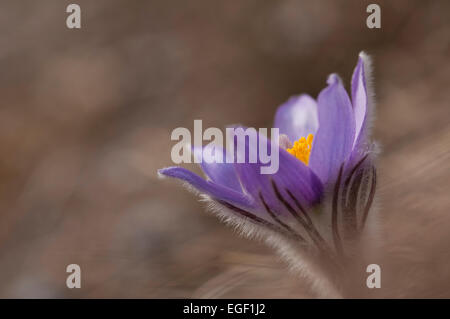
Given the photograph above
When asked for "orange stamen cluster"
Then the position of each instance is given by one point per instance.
(302, 148)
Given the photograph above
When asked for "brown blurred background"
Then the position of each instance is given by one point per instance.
(86, 117)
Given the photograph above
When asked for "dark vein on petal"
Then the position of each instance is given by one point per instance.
(279, 221)
(370, 198)
(300, 207)
(352, 186)
(296, 215)
(350, 201)
(255, 219)
(334, 214)
(306, 215)
(355, 168)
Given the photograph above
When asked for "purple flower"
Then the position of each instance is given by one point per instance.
(326, 177)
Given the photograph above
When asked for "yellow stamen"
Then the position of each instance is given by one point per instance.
(302, 148)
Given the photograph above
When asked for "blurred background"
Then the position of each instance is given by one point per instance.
(86, 117)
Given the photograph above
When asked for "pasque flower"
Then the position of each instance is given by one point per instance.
(320, 197)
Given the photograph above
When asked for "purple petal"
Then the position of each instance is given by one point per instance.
(222, 173)
(359, 98)
(297, 117)
(292, 175)
(208, 187)
(334, 139)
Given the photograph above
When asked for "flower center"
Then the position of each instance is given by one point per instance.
(302, 148)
